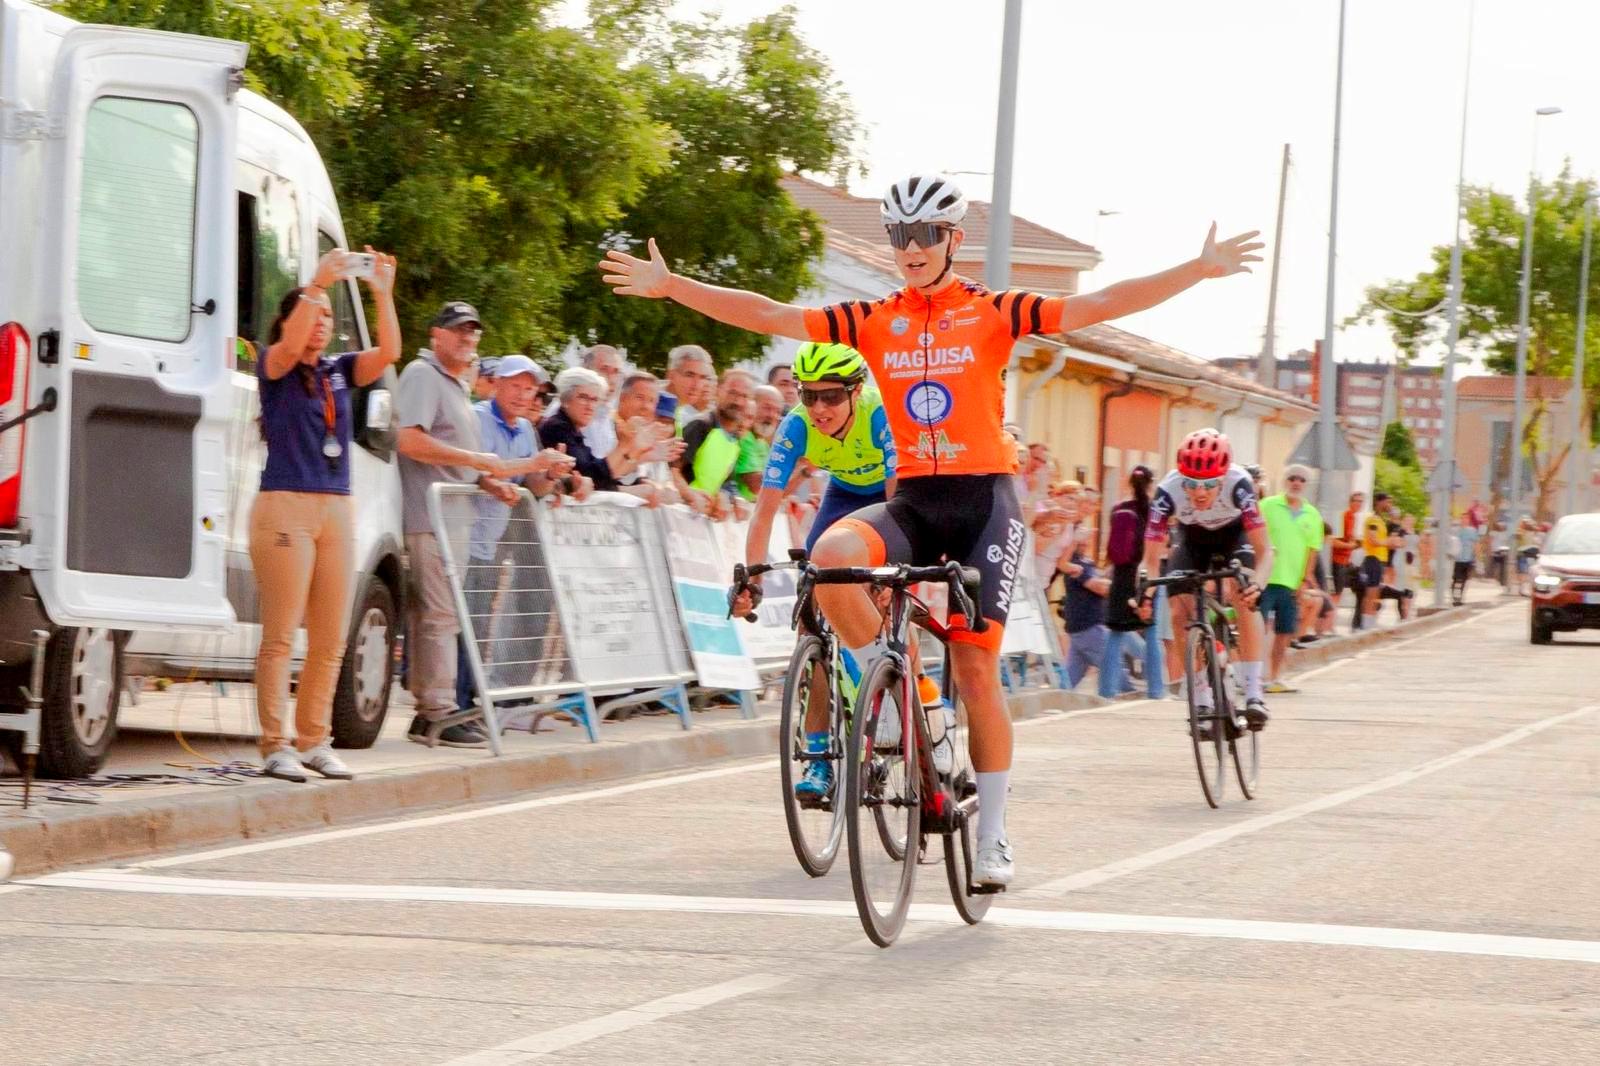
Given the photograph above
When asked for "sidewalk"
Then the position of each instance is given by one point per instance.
(195, 737)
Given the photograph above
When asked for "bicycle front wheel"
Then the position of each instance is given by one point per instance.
(1207, 729)
(883, 803)
(815, 820)
(1246, 749)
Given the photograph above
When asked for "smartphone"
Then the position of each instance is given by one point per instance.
(359, 264)
(666, 406)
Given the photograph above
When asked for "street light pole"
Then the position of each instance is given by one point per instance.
(1522, 330)
(1329, 382)
(1576, 465)
(1444, 471)
(997, 256)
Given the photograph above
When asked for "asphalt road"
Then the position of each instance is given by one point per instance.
(1418, 883)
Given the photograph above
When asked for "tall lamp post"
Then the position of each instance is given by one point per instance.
(1445, 470)
(1522, 328)
(1577, 455)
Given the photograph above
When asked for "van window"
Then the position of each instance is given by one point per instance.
(137, 216)
(269, 248)
(346, 331)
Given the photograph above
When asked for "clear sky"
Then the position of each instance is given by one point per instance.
(1175, 112)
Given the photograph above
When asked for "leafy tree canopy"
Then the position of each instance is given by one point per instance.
(1404, 483)
(1399, 446)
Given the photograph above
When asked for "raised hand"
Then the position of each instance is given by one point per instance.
(629, 275)
(1219, 259)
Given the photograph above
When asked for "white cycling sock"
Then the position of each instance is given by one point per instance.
(1252, 680)
(865, 656)
(992, 788)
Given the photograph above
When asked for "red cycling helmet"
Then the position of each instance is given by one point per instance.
(1205, 454)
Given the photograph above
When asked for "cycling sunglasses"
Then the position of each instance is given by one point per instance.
(1208, 483)
(925, 234)
(826, 397)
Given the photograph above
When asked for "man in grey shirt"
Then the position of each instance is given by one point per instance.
(439, 441)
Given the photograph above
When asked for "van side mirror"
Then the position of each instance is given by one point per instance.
(372, 408)
(380, 410)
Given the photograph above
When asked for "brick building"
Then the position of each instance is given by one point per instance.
(1370, 395)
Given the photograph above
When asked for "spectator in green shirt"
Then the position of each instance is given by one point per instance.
(756, 444)
(1295, 529)
(711, 445)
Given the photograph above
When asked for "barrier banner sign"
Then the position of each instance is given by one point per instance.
(771, 639)
(618, 613)
(700, 580)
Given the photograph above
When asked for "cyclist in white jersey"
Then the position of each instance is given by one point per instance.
(1212, 503)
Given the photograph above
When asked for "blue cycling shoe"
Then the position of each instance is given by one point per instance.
(817, 782)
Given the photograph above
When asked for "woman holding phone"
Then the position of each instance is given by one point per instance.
(302, 525)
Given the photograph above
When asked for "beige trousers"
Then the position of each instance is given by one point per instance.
(302, 548)
(432, 652)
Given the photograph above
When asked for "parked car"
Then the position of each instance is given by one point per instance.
(152, 214)
(1566, 579)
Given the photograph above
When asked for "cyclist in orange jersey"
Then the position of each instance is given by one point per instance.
(937, 348)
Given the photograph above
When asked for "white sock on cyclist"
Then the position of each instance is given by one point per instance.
(1252, 680)
(864, 657)
(992, 788)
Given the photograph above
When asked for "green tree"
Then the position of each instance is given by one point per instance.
(1416, 312)
(483, 138)
(303, 53)
(1404, 483)
(745, 104)
(1399, 447)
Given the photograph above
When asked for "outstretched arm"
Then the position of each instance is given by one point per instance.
(631, 276)
(1216, 260)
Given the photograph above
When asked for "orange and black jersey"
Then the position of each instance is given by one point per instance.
(939, 363)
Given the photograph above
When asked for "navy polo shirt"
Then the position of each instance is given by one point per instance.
(293, 422)
(1083, 609)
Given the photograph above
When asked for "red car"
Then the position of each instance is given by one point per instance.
(1566, 579)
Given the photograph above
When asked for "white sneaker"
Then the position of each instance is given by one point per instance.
(7, 864)
(994, 866)
(285, 766)
(322, 759)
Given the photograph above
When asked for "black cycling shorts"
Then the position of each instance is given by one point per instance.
(972, 519)
(1196, 549)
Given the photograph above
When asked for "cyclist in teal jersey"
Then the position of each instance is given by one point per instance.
(840, 427)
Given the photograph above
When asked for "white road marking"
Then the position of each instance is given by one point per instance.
(542, 1044)
(1428, 940)
(517, 806)
(1211, 838)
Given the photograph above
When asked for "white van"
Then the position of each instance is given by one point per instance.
(152, 215)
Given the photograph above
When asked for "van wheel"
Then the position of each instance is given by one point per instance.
(362, 698)
(82, 690)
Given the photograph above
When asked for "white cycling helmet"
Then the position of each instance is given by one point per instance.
(924, 198)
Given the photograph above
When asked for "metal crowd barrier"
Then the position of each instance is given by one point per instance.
(585, 608)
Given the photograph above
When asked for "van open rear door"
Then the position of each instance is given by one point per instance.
(130, 526)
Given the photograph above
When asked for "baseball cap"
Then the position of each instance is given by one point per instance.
(1379, 497)
(456, 313)
(487, 365)
(511, 365)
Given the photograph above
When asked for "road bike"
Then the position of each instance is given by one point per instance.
(1208, 653)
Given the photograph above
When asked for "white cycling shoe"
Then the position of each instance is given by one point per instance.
(993, 865)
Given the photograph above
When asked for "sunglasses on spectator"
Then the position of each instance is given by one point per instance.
(468, 332)
(826, 397)
(1208, 483)
(925, 234)
(543, 395)
(1295, 477)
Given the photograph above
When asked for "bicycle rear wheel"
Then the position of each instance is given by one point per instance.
(816, 826)
(960, 847)
(883, 803)
(1207, 728)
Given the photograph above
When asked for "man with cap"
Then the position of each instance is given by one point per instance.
(440, 440)
(483, 378)
(1294, 528)
(506, 430)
